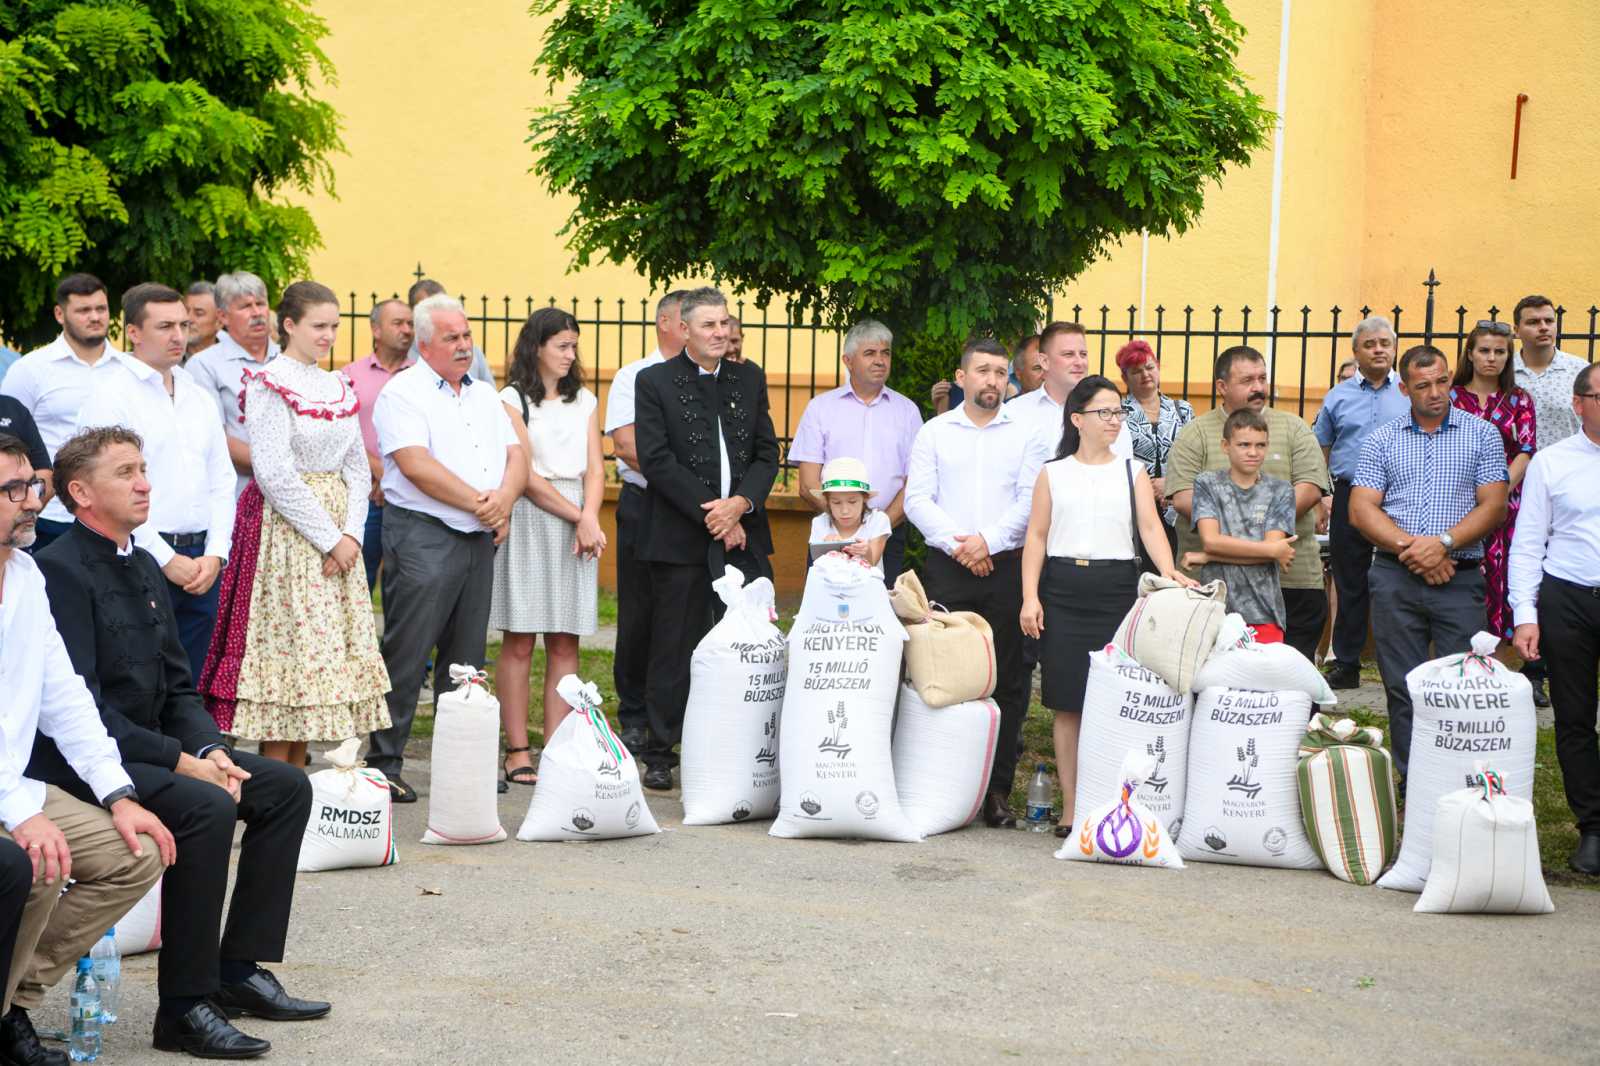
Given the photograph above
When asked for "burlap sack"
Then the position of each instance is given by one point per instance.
(949, 654)
(1171, 629)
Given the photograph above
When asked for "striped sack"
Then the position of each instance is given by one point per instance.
(1347, 798)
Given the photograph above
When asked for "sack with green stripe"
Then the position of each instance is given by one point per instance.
(1347, 798)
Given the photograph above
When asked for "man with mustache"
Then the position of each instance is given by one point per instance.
(54, 381)
(106, 594)
(1293, 455)
(191, 496)
(1350, 412)
(422, 289)
(103, 839)
(1429, 487)
(244, 344)
(969, 490)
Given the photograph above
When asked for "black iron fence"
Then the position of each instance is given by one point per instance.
(1303, 348)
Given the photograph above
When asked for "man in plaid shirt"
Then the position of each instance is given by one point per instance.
(1429, 487)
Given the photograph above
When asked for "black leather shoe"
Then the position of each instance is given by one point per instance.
(399, 791)
(261, 996)
(633, 739)
(1539, 697)
(206, 1034)
(1586, 860)
(19, 1044)
(997, 812)
(657, 778)
(1342, 675)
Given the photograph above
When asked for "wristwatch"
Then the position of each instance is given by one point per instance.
(1447, 540)
(126, 792)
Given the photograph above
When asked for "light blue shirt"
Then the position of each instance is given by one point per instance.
(7, 357)
(1351, 410)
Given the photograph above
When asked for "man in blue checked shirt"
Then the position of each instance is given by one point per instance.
(1428, 488)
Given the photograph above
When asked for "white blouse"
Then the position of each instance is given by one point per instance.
(1089, 510)
(302, 420)
(558, 432)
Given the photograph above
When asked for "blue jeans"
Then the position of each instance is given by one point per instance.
(197, 615)
(372, 544)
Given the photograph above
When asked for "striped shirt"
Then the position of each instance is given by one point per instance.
(1430, 481)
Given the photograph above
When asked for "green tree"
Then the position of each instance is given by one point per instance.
(942, 165)
(152, 140)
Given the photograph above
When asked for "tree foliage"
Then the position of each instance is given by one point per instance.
(151, 140)
(943, 164)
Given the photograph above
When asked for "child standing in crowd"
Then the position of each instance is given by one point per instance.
(546, 573)
(1246, 526)
(863, 532)
(1080, 562)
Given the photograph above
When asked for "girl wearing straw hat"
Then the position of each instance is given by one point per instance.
(848, 525)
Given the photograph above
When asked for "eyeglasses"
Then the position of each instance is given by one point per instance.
(17, 491)
(1588, 395)
(1502, 328)
(1107, 414)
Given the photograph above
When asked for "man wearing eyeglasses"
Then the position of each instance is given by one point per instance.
(1555, 593)
(105, 840)
(1292, 455)
(1352, 410)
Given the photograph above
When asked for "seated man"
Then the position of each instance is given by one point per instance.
(114, 847)
(109, 599)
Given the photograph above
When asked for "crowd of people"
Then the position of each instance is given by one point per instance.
(191, 532)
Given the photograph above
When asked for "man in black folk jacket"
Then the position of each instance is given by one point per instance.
(707, 448)
(110, 604)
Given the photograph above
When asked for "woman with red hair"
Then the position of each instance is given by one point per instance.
(1153, 421)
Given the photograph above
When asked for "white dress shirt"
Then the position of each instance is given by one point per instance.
(1558, 528)
(219, 371)
(1045, 415)
(44, 694)
(191, 476)
(468, 432)
(53, 384)
(620, 408)
(965, 479)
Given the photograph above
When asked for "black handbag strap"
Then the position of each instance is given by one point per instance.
(1133, 516)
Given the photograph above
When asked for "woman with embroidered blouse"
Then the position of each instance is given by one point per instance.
(1153, 422)
(294, 657)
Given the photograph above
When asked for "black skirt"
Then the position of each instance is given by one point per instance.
(1083, 605)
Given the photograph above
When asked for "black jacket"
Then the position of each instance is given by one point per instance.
(114, 616)
(675, 421)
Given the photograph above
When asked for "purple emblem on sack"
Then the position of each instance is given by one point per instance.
(1119, 833)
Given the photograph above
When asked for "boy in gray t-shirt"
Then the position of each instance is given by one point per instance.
(1246, 525)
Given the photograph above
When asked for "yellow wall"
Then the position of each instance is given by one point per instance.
(1396, 151)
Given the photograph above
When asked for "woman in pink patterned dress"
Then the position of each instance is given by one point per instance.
(1486, 386)
(294, 657)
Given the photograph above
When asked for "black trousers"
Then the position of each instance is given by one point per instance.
(631, 666)
(894, 554)
(685, 608)
(1569, 644)
(998, 598)
(274, 806)
(16, 881)
(1306, 611)
(1351, 556)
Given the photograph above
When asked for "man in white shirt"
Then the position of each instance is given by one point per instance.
(452, 468)
(54, 381)
(969, 491)
(244, 344)
(1555, 593)
(114, 852)
(191, 477)
(635, 605)
(862, 419)
(1064, 358)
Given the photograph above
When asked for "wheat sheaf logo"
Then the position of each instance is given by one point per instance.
(768, 755)
(1155, 781)
(1248, 761)
(835, 741)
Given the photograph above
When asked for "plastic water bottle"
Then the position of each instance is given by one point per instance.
(1041, 802)
(83, 1044)
(107, 974)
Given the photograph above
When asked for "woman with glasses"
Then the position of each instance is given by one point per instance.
(1080, 566)
(1153, 422)
(1485, 385)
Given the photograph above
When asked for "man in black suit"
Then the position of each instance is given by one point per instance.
(110, 604)
(706, 445)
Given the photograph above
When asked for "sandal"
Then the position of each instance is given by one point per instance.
(1063, 831)
(521, 775)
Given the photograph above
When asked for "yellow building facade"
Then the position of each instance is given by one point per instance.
(1392, 157)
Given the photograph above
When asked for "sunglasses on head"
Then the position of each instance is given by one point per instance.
(1503, 328)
